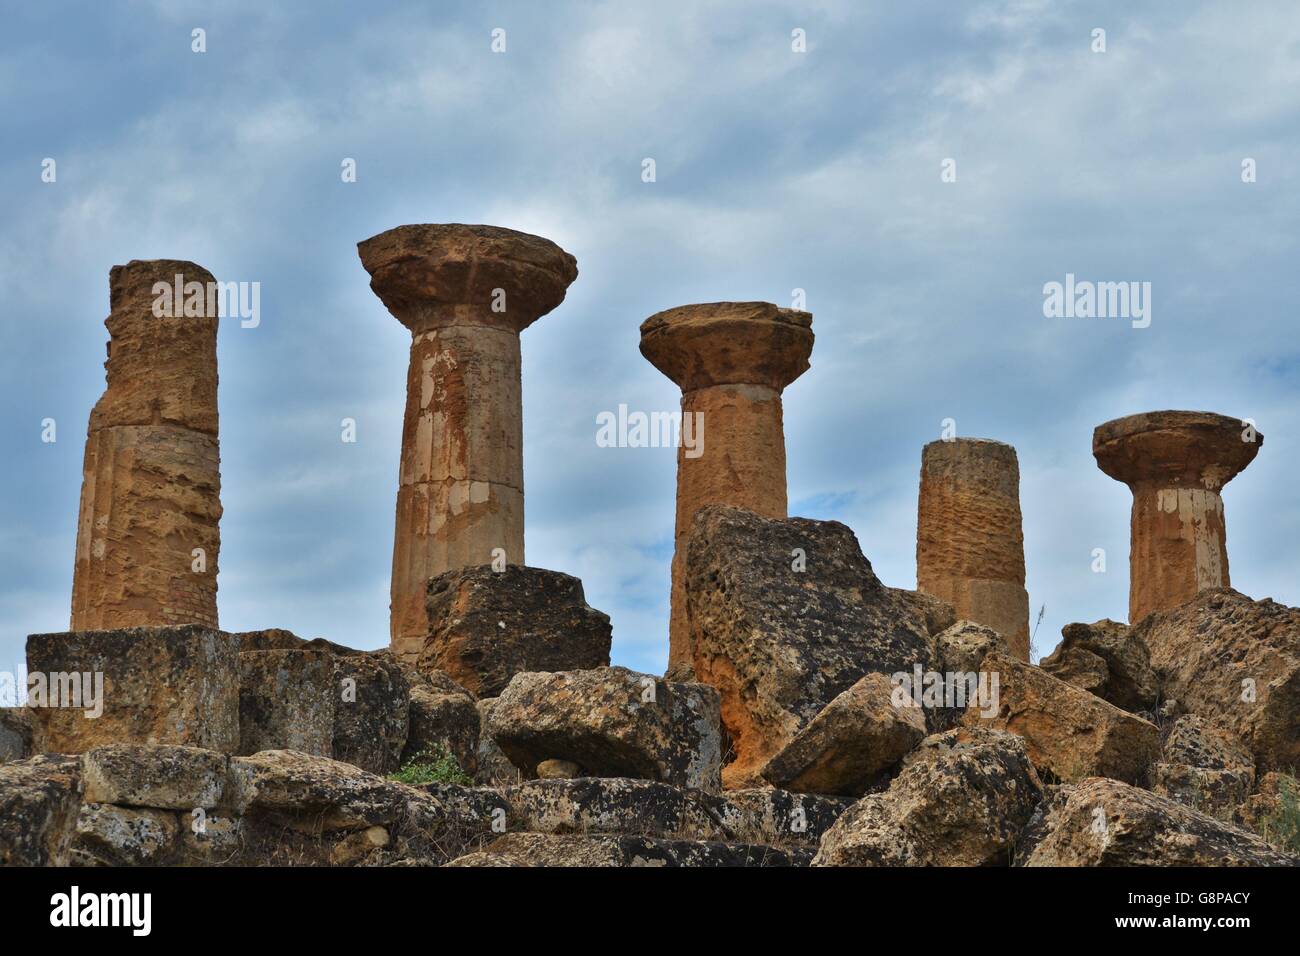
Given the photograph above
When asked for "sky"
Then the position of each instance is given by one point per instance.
(775, 170)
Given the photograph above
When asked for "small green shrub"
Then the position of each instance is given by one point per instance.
(1283, 827)
(435, 765)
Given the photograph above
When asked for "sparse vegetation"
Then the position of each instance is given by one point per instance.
(434, 765)
(1283, 827)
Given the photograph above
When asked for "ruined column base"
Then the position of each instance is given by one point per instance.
(143, 685)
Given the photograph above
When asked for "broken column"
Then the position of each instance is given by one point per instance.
(1175, 463)
(732, 360)
(147, 533)
(970, 549)
(465, 292)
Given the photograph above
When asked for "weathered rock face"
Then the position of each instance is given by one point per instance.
(162, 777)
(1204, 767)
(485, 626)
(465, 293)
(961, 800)
(786, 615)
(1103, 822)
(286, 701)
(147, 534)
(538, 849)
(494, 767)
(371, 711)
(859, 736)
(1125, 677)
(121, 836)
(1235, 662)
(612, 722)
(732, 360)
(39, 798)
(444, 716)
(15, 734)
(1068, 732)
(970, 550)
(1176, 464)
(160, 685)
(962, 647)
(1264, 812)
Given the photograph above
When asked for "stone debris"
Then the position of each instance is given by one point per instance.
(1204, 767)
(1104, 822)
(612, 722)
(444, 717)
(486, 626)
(538, 849)
(1069, 733)
(15, 734)
(287, 701)
(732, 361)
(1109, 660)
(786, 615)
(970, 549)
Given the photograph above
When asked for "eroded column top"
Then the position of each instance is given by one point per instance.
(438, 274)
(1195, 449)
(728, 343)
(162, 363)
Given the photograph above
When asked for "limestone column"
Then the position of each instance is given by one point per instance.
(970, 549)
(1176, 464)
(147, 532)
(465, 293)
(732, 360)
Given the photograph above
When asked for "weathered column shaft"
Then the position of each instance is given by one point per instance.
(148, 530)
(731, 360)
(1175, 463)
(970, 548)
(465, 293)
(461, 485)
(742, 464)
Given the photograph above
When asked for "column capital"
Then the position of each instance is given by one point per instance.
(1175, 449)
(440, 274)
(729, 343)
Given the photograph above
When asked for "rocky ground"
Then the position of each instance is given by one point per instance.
(792, 740)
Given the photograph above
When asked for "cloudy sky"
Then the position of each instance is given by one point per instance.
(776, 170)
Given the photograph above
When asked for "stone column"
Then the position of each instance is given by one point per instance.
(732, 361)
(465, 292)
(970, 549)
(147, 532)
(1175, 463)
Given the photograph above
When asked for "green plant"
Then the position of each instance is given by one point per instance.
(1282, 827)
(433, 765)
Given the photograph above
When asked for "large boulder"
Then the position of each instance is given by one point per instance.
(160, 685)
(286, 701)
(786, 615)
(1069, 733)
(108, 835)
(611, 722)
(1104, 822)
(39, 800)
(15, 734)
(1235, 662)
(371, 711)
(486, 626)
(494, 768)
(961, 800)
(1205, 767)
(1130, 683)
(963, 645)
(856, 738)
(163, 777)
(444, 717)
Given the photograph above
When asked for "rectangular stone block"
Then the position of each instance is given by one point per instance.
(143, 685)
(286, 701)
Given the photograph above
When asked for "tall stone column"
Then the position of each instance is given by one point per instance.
(732, 360)
(147, 532)
(970, 549)
(465, 292)
(1175, 463)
